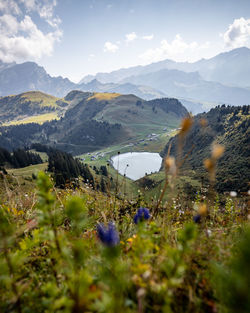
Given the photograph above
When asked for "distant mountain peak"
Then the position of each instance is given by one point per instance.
(243, 49)
(93, 83)
(29, 76)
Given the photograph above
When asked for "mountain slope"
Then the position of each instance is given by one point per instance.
(3, 65)
(228, 126)
(135, 115)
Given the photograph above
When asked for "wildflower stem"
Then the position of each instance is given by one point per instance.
(162, 195)
(55, 233)
(185, 157)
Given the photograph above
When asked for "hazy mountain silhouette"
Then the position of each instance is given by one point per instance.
(28, 76)
(230, 68)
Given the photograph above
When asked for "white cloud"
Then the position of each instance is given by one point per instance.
(148, 37)
(8, 25)
(45, 9)
(20, 38)
(9, 7)
(130, 37)
(20, 41)
(177, 50)
(238, 33)
(110, 47)
(30, 5)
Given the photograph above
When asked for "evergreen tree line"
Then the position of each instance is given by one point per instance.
(19, 158)
(41, 148)
(102, 171)
(67, 169)
(18, 136)
(102, 186)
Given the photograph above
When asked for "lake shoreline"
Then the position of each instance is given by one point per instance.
(136, 165)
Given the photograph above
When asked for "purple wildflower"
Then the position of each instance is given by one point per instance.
(108, 234)
(197, 218)
(142, 214)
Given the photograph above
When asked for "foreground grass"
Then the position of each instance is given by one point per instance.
(51, 259)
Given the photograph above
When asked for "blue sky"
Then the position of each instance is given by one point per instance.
(73, 38)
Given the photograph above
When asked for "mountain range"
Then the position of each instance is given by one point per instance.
(179, 84)
(200, 85)
(229, 68)
(28, 76)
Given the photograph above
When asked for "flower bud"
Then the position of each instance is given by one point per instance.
(186, 124)
(217, 151)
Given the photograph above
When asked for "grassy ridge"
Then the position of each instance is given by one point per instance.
(30, 107)
(43, 99)
(100, 96)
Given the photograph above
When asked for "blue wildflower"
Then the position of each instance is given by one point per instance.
(142, 214)
(197, 218)
(108, 234)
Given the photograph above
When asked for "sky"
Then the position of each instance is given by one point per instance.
(73, 38)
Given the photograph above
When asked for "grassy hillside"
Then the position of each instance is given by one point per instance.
(40, 98)
(98, 119)
(141, 117)
(228, 126)
(17, 108)
(100, 96)
(26, 172)
(39, 119)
